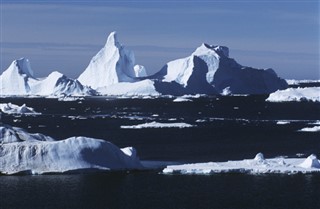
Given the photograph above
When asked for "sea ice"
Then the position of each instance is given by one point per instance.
(10, 108)
(258, 165)
(158, 125)
(310, 129)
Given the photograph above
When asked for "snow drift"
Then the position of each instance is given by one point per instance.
(18, 80)
(38, 154)
(257, 165)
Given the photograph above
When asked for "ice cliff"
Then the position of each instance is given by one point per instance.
(21, 151)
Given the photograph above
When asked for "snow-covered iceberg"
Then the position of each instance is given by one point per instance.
(112, 71)
(19, 80)
(113, 64)
(296, 94)
(10, 108)
(38, 154)
(258, 165)
(209, 70)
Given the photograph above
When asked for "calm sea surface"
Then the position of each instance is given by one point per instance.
(225, 128)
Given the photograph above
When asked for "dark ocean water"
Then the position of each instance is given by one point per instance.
(225, 128)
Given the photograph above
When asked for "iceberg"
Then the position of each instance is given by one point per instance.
(57, 84)
(112, 71)
(113, 64)
(209, 70)
(295, 94)
(140, 88)
(18, 80)
(140, 71)
(310, 129)
(10, 108)
(22, 152)
(258, 165)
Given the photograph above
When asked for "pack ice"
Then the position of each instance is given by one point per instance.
(21, 151)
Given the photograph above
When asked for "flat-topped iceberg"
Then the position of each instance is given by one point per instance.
(296, 94)
(258, 165)
(10, 108)
(39, 154)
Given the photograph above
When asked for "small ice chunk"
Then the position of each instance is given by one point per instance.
(311, 162)
(259, 157)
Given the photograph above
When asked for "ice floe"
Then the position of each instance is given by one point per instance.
(310, 129)
(38, 154)
(157, 125)
(258, 165)
(10, 108)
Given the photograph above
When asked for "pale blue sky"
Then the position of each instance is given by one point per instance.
(65, 35)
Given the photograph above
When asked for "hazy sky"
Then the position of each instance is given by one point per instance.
(65, 35)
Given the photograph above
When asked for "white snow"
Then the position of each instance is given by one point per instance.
(158, 125)
(38, 154)
(258, 165)
(18, 80)
(310, 129)
(10, 108)
(296, 94)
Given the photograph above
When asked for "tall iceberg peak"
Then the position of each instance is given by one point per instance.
(22, 65)
(113, 64)
(206, 48)
(113, 39)
(15, 80)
